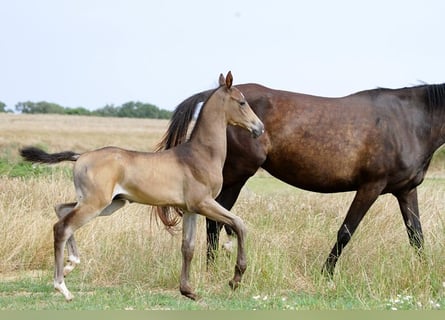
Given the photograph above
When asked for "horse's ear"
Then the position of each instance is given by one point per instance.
(222, 81)
(229, 80)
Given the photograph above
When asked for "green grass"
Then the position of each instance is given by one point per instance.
(13, 167)
(37, 294)
(23, 169)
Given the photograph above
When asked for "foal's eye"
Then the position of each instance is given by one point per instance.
(242, 103)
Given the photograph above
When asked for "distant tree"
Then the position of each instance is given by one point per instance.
(108, 111)
(133, 109)
(3, 107)
(164, 114)
(78, 111)
(130, 110)
(138, 110)
(39, 107)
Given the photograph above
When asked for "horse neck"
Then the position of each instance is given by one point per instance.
(438, 131)
(435, 101)
(209, 134)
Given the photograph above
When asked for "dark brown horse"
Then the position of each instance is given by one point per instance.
(375, 142)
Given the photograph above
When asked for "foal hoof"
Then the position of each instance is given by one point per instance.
(228, 247)
(64, 291)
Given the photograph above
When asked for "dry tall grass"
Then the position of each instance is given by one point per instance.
(290, 232)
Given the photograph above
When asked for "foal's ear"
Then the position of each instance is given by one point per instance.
(222, 81)
(229, 80)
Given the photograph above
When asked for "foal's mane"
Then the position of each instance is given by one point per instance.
(182, 116)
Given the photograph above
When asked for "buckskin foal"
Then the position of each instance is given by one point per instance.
(188, 177)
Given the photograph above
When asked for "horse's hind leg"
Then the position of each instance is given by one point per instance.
(363, 200)
(410, 212)
(73, 254)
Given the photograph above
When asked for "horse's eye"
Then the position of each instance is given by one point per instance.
(242, 103)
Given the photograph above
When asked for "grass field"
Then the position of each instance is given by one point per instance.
(129, 262)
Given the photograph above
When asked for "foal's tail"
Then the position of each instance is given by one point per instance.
(34, 154)
(175, 135)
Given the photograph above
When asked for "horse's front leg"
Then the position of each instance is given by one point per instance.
(188, 247)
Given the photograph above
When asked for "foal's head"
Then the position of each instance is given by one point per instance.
(238, 111)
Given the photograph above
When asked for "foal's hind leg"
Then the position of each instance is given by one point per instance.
(64, 230)
(73, 254)
(410, 212)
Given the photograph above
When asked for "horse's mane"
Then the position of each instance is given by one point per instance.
(435, 96)
(177, 134)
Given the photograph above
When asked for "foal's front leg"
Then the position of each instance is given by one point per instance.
(213, 210)
(188, 247)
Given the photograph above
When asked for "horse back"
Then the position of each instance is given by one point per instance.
(330, 144)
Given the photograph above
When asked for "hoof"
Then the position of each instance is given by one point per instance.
(63, 290)
(189, 294)
(67, 269)
(228, 247)
(73, 261)
(233, 284)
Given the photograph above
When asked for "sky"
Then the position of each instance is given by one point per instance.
(90, 53)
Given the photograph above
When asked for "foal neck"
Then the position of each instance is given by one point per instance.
(209, 133)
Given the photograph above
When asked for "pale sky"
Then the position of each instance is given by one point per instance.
(91, 53)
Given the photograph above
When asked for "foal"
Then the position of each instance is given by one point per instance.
(188, 177)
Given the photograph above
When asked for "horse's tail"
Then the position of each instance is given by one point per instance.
(34, 154)
(175, 135)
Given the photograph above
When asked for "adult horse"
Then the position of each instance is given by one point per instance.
(188, 177)
(373, 142)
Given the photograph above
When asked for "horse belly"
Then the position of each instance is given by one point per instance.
(319, 174)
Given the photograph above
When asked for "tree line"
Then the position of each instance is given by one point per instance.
(130, 109)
